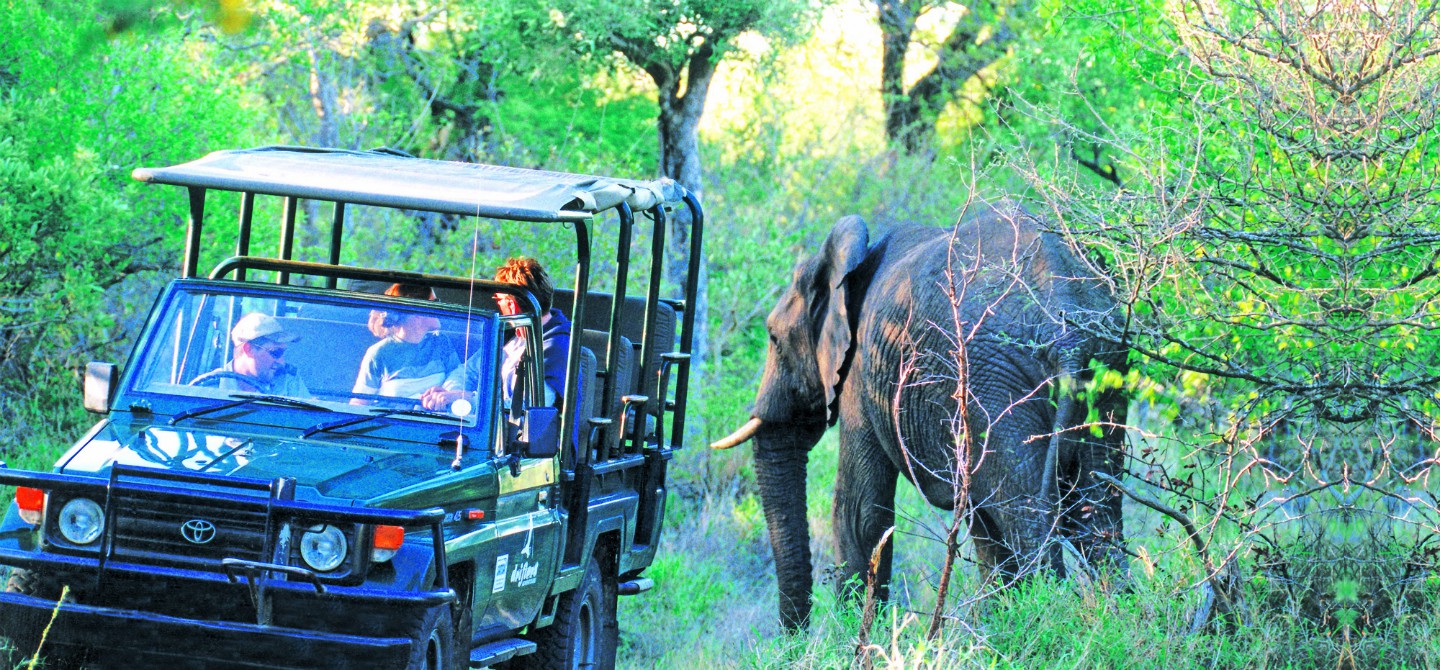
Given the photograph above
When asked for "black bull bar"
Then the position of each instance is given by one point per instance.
(257, 643)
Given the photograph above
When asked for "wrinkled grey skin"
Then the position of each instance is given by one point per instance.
(855, 313)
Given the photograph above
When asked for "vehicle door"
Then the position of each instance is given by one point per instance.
(527, 516)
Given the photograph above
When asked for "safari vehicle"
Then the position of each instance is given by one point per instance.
(203, 524)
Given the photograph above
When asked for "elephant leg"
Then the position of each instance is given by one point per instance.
(995, 558)
(864, 509)
(1029, 533)
(1008, 484)
(1093, 512)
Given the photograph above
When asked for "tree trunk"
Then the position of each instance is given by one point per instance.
(323, 100)
(910, 115)
(897, 24)
(682, 103)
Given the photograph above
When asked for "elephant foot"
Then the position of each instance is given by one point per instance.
(794, 617)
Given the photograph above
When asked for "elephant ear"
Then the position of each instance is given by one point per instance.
(845, 248)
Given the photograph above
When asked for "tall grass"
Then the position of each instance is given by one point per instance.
(714, 605)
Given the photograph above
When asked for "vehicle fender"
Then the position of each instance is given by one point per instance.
(103, 430)
(15, 534)
(411, 569)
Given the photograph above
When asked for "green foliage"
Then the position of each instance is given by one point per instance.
(79, 114)
(85, 114)
(599, 125)
(47, 205)
(669, 33)
(119, 17)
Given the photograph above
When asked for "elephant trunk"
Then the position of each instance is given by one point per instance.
(781, 454)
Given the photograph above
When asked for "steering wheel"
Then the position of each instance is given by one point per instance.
(213, 377)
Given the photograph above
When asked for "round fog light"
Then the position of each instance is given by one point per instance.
(323, 548)
(81, 521)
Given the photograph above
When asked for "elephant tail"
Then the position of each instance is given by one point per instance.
(1070, 364)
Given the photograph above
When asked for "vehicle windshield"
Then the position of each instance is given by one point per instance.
(357, 354)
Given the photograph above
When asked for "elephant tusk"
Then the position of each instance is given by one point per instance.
(738, 437)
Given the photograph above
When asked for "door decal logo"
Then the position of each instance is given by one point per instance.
(525, 574)
(501, 563)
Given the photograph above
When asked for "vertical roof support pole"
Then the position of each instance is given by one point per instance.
(622, 273)
(687, 332)
(287, 234)
(652, 298)
(247, 218)
(192, 232)
(337, 233)
(577, 456)
(570, 408)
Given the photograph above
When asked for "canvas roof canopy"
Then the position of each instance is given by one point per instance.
(391, 179)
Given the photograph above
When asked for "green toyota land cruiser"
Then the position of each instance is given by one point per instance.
(207, 519)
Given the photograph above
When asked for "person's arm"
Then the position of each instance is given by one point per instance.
(460, 376)
(556, 349)
(454, 387)
(368, 379)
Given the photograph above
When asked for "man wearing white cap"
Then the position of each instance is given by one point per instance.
(259, 362)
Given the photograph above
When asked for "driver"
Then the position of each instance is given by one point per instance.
(258, 364)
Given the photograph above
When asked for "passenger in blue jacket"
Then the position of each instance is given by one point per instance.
(554, 340)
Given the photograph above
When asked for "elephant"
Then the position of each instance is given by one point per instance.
(867, 336)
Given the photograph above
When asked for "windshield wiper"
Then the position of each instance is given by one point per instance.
(246, 399)
(377, 414)
(421, 412)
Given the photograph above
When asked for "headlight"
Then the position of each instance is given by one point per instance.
(323, 548)
(81, 521)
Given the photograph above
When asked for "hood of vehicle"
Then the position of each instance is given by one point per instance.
(327, 468)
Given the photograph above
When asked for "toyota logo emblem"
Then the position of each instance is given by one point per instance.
(197, 531)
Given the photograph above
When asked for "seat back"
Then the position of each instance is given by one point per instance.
(621, 379)
(457, 296)
(588, 395)
(632, 324)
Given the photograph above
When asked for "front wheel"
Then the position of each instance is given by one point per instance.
(21, 633)
(581, 636)
(432, 640)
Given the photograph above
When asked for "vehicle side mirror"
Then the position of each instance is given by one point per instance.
(541, 433)
(100, 380)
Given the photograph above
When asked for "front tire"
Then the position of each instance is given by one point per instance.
(433, 641)
(581, 637)
(20, 639)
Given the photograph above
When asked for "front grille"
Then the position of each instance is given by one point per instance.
(152, 529)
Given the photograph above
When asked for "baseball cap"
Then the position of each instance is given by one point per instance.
(256, 325)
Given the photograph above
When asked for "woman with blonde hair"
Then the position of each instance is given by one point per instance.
(411, 355)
